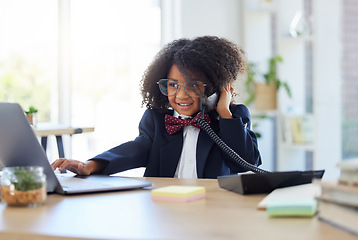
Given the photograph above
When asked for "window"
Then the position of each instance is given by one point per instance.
(28, 53)
(82, 59)
(112, 44)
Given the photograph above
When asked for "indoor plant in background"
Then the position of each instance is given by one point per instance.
(264, 94)
(31, 115)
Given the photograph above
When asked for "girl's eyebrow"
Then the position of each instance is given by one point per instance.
(189, 79)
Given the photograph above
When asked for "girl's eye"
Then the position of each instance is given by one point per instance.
(191, 85)
(194, 85)
(173, 85)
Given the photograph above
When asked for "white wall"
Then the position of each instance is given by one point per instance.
(327, 88)
(192, 18)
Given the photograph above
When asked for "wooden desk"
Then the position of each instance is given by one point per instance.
(133, 215)
(44, 130)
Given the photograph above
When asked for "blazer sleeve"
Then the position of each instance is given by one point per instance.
(132, 154)
(237, 134)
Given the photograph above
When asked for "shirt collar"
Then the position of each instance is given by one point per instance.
(181, 116)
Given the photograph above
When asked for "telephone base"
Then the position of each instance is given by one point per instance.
(255, 183)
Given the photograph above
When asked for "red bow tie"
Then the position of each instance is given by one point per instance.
(173, 124)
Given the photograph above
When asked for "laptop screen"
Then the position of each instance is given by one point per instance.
(19, 145)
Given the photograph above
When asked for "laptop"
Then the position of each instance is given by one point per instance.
(19, 146)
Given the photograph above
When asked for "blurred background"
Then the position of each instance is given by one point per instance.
(80, 62)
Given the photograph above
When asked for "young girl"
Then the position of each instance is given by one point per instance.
(183, 73)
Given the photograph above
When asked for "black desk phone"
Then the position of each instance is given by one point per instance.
(260, 180)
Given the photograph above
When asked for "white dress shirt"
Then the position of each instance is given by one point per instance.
(187, 163)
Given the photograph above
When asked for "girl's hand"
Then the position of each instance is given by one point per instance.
(75, 166)
(224, 102)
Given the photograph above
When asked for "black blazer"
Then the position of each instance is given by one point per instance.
(159, 152)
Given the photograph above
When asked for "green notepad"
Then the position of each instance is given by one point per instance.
(292, 207)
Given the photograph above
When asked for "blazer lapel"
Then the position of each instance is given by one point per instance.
(204, 145)
(170, 154)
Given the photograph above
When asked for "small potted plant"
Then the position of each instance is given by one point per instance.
(31, 115)
(23, 186)
(264, 94)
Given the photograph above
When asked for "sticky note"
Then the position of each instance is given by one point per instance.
(292, 207)
(178, 193)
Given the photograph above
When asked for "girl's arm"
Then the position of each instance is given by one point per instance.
(126, 156)
(236, 133)
(129, 155)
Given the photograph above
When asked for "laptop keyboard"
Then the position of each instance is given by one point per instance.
(79, 183)
(72, 184)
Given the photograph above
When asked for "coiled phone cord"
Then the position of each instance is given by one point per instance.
(227, 149)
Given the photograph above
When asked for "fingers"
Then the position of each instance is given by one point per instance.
(223, 106)
(228, 89)
(55, 164)
(231, 90)
(60, 164)
(71, 165)
(226, 94)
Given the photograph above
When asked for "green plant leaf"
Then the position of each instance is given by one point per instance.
(25, 180)
(288, 89)
(32, 109)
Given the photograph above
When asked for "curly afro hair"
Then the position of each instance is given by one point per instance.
(216, 61)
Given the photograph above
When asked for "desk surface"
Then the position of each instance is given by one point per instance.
(46, 129)
(133, 215)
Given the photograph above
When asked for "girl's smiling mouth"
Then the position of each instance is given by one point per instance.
(185, 104)
(184, 107)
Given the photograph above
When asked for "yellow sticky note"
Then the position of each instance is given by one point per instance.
(178, 193)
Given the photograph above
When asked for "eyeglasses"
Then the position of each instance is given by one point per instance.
(193, 88)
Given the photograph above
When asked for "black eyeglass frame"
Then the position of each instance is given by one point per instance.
(178, 84)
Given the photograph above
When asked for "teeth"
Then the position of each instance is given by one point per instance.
(184, 104)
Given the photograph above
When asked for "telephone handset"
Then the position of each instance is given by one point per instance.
(209, 103)
(212, 101)
(206, 105)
